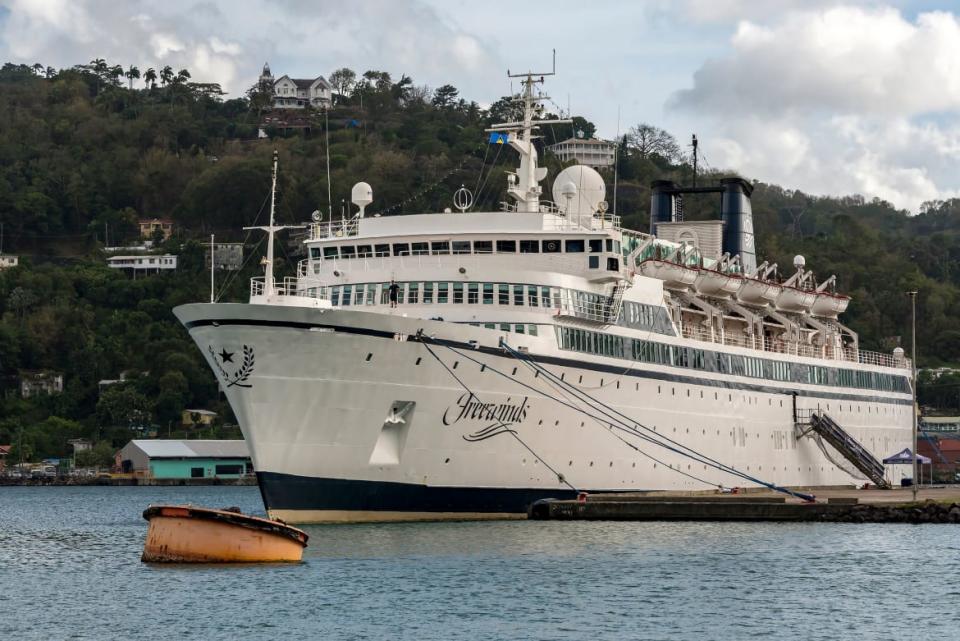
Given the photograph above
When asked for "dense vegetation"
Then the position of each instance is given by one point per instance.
(84, 154)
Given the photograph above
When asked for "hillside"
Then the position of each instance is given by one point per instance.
(83, 155)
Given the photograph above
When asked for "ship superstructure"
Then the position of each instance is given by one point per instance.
(466, 363)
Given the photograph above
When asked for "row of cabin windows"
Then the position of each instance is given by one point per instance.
(429, 293)
(518, 328)
(615, 346)
(447, 247)
(634, 315)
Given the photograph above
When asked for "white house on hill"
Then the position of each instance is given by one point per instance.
(297, 93)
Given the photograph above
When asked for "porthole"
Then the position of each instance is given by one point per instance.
(369, 356)
(591, 463)
(455, 363)
(446, 461)
(418, 361)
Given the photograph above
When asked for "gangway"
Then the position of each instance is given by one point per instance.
(828, 429)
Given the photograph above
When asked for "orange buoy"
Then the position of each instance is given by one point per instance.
(189, 534)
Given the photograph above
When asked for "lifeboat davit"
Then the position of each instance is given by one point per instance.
(829, 305)
(792, 299)
(710, 282)
(673, 275)
(754, 291)
(189, 534)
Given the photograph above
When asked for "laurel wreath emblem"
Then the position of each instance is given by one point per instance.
(239, 377)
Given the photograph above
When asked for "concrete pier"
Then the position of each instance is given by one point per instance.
(934, 505)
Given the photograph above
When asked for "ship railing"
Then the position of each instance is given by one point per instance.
(289, 286)
(335, 228)
(795, 348)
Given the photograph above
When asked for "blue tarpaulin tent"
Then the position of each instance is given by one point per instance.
(906, 456)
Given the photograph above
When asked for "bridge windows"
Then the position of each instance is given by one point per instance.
(483, 247)
(529, 246)
(440, 248)
(461, 247)
(506, 247)
(574, 246)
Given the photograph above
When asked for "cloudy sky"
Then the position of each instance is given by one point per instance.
(831, 97)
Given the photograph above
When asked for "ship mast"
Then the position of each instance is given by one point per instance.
(269, 287)
(523, 185)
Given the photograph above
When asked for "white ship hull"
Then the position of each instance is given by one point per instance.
(313, 391)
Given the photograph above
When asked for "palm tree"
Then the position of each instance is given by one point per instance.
(132, 74)
(98, 66)
(150, 77)
(51, 72)
(182, 76)
(116, 72)
(38, 69)
(166, 75)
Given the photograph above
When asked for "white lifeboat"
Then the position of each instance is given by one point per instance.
(711, 282)
(673, 275)
(754, 291)
(792, 299)
(829, 305)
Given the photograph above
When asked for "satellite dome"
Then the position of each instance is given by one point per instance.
(898, 352)
(799, 262)
(589, 190)
(361, 196)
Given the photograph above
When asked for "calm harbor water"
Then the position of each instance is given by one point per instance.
(70, 569)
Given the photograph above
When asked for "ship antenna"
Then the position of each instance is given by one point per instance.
(694, 144)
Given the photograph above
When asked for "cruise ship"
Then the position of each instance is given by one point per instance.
(464, 364)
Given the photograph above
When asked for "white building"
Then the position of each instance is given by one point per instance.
(40, 382)
(226, 256)
(7, 260)
(143, 263)
(591, 152)
(297, 93)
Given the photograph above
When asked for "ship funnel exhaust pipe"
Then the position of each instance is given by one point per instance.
(663, 203)
(737, 215)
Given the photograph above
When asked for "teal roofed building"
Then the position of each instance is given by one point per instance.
(177, 459)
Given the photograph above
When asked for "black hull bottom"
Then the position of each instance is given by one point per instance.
(303, 493)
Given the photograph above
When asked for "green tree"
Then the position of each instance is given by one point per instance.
(444, 97)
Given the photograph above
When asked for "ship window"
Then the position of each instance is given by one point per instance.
(575, 246)
(609, 244)
(505, 327)
(348, 251)
(461, 247)
(385, 293)
(364, 251)
(529, 246)
(483, 246)
(401, 249)
(371, 294)
(545, 297)
(381, 250)
(613, 264)
(473, 291)
(413, 293)
(506, 247)
(490, 325)
(616, 247)
(532, 295)
(440, 248)
(532, 330)
(518, 294)
(347, 289)
(358, 300)
(551, 246)
(418, 249)
(428, 293)
(488, 293)
(519, 329)
(596, 245)
(196, 472)
(593, 262)
(443, 293)
(314, 253)
(458, 293)
(335, 296)
(504, 295)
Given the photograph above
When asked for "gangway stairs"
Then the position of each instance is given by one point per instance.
(614, 303)
(828, 429)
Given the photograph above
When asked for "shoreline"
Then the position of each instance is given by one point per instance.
(125, 482)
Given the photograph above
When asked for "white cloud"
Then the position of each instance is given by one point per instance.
(840, 100)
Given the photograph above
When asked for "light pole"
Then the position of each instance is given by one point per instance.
(913, 355)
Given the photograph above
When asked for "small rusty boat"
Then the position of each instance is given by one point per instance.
(190, 534)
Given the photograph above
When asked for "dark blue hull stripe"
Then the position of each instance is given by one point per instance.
(617, 370)
(289, 492)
